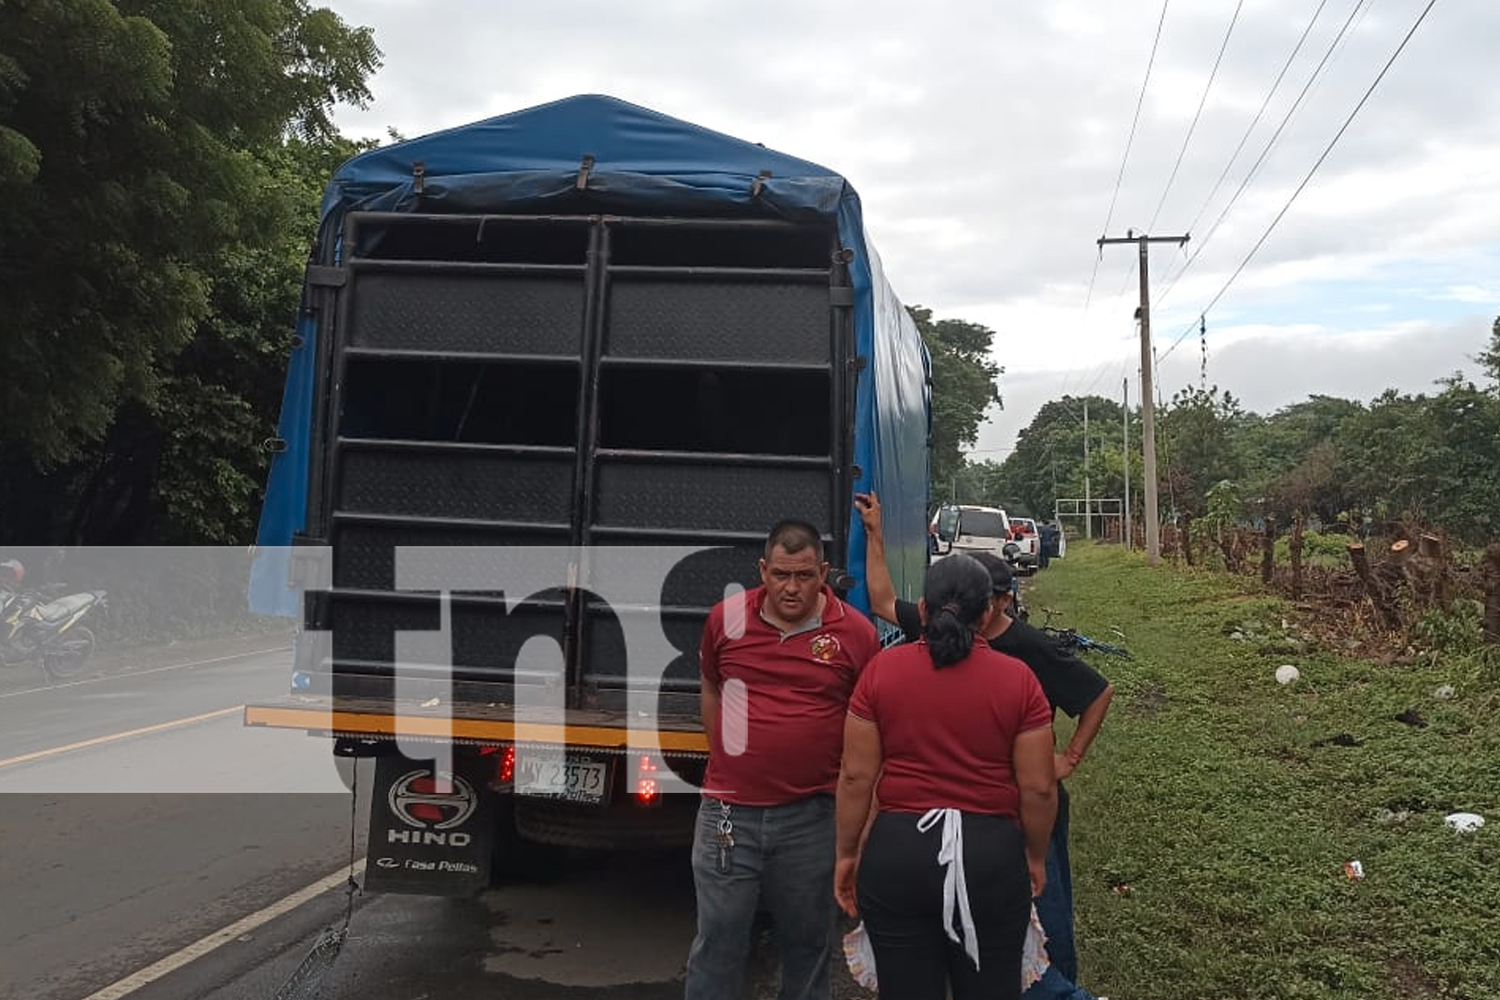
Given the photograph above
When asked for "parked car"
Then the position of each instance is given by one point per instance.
(970, 528)
(1028, 539)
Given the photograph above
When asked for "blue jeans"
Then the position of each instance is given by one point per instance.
(782, 862)
(1055, 910)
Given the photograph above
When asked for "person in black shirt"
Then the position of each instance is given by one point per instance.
(1070, 685)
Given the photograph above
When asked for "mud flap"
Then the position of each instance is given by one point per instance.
(431, 833)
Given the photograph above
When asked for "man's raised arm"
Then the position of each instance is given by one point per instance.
(878, 583)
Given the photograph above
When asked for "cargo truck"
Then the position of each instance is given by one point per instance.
(555, 376)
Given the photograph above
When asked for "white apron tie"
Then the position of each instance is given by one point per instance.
(955, 887)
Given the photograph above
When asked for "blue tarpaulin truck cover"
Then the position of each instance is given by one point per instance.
(640, 162)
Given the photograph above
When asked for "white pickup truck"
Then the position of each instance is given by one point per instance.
(1028, 538)
(969, 528)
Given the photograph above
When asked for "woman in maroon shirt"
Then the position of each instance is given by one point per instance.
(960, 738)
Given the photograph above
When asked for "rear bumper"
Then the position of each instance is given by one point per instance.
(481, 725)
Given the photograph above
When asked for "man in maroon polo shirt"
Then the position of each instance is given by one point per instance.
(779, 664)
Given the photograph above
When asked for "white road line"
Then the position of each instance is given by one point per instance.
(128, 734)
(204, 945)
(141, 673)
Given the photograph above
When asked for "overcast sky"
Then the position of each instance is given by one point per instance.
(986, 142)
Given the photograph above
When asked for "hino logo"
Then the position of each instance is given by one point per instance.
(426, 837)
(432, 803)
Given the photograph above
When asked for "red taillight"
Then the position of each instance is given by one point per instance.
(508, 765)
(646, 787)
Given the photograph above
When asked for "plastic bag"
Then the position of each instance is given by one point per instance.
(860, 956)
(1034, 961)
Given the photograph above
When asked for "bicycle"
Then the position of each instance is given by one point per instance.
(1072, 640)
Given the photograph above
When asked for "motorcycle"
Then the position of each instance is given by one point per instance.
(33, 627)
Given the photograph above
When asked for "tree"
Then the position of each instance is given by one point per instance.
(1198, 438)
(1489, 358)
(1429, 458)
(963, 388)
(1291, 457)
(145, 191)
(125, 175)
(225, 389)
(1048, 460)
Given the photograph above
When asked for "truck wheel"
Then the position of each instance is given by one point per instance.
(513, 858)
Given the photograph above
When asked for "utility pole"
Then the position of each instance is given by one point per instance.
(1088, 503)
(1125, 422)
(1148, 416)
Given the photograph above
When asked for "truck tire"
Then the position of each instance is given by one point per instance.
(617, 827)
(514, 858)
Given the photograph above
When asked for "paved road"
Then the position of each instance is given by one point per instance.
(142, 819)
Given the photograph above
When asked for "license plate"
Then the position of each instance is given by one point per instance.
(574, 779)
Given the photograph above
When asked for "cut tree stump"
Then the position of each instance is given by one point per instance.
(1424, 567)
(1430, 547)
(1490, 578)
(1378, 594)
(1268, 551)
(1295, 548)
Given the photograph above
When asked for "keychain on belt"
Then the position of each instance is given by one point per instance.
(725, 835)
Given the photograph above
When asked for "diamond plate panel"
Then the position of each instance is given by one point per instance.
(698, 581)
(500, 313)
(486, 640)
(719, 321)
(364, 555)
(466, 485)
(605, 661)
(720, 498)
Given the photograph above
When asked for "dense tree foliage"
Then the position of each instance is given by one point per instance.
(1050, 461)
(963, 387)
(1489, 358)
(161, 164)
(1196, 441)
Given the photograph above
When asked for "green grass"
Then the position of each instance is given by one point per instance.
(1212, 794)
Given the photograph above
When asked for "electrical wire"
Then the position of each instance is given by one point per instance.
(1275, 85)
(1329, 149)
(1188, 139)
(1270, 145)
(1130, 141)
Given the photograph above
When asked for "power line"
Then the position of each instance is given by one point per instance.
(1276, 85)
(1270, 145)
(1333, 142)
(1130, 141)
(1104, 367)
(1187, 140)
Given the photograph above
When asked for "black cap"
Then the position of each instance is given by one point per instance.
(1001, 577)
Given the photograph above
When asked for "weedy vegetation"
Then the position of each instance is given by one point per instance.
(1215, 816)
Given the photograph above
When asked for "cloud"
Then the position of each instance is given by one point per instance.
(1473, 294)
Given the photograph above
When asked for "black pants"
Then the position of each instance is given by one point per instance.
(901, 902)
